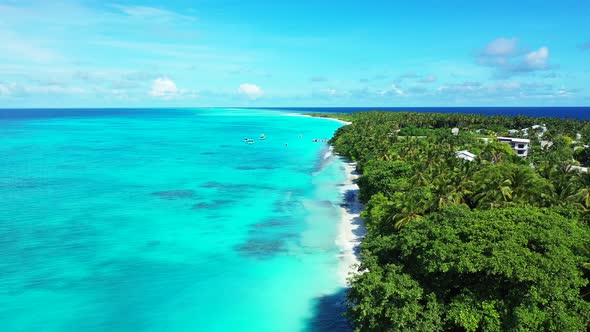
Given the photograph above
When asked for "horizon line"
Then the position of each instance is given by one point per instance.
(376, 108)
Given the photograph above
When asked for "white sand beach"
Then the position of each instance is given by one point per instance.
(351, 229)
(317, 117)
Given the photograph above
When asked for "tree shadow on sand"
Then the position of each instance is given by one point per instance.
(328, 314)
(353, 206)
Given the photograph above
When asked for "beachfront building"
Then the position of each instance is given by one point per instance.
(465, 155)
(519, 145)
(540, 129)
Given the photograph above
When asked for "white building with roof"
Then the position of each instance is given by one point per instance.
(580, 169)
(525, 131)
(519, 145)
(465, 155)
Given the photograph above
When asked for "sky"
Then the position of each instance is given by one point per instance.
(263, 53)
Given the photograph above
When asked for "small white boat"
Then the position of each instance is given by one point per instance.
(262, 137)
(251, 142)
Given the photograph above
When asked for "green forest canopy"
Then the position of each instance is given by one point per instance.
(499, 243)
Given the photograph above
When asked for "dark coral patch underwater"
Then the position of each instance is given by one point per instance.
(176, 194)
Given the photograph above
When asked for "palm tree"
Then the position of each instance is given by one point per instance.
(405, 217)
(410, 206)
(582, 197)
(494, 193)
(564, 183)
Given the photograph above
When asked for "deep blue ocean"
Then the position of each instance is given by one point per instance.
(167, 220)
(580, 113)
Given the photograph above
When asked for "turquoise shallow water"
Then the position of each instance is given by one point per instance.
(165, 220)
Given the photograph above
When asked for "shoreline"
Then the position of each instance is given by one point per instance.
(317, 117)
(351, 229)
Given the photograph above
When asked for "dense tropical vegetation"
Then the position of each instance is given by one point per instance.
(497, 243)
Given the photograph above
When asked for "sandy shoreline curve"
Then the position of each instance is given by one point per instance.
(317, 117)
(351, 229)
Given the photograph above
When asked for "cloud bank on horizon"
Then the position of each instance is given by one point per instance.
(130, 53)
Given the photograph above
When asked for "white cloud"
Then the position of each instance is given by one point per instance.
(465, 87)
(498, 53)
(501, 47)
(164, 88)
(504, 87)
(113, 94)
(417, 90)
(428, 79)
(145, 12)
(503, 90)
(505, 56)
(252, 91)
(18, 47)
(537, 60)
(57, 90)
(8, 89)
(563, 92)
(20, 90)
(393, 90)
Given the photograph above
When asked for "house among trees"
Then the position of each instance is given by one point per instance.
(455, 131)
(519, 145)
(548, 144)
(465, 155)
(580, 169)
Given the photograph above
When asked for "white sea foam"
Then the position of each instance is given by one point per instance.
(329, 153)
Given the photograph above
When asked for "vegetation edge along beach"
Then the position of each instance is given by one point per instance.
(475, 223)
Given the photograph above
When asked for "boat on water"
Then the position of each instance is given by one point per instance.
(262, 137)
(251, 142)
